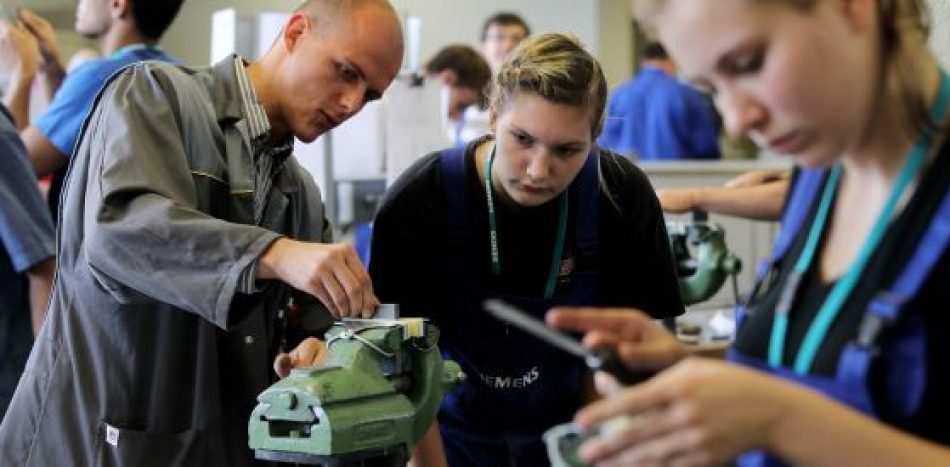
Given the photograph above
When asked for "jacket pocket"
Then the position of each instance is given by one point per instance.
(122, 447)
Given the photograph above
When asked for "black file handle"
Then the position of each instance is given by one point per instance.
(610, 362)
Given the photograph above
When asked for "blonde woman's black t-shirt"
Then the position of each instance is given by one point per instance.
(634, 259)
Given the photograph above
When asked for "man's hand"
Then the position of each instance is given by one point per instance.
(331, 272)
(46, 39)
(19, 50)
(20, 57)
(311, 352)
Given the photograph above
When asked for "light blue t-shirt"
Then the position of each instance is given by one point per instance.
(63, 120)
(64, 117)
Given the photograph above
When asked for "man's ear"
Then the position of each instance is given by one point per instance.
(120, 9)
(298, 25)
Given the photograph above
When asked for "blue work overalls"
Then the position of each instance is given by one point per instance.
(517, 386)
(905, 358)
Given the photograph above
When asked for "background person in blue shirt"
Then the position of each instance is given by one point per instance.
(127, 32)
(655, 117)
(26, 258)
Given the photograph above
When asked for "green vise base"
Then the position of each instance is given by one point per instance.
(377, 394)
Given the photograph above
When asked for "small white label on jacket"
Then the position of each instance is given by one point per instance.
(112, 435)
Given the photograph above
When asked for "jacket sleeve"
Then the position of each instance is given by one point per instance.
(144, 234)
(26, 229)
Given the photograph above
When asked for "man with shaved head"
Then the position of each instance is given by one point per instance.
(194, 253)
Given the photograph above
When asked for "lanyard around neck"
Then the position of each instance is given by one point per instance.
(832, 305)
(493, 231)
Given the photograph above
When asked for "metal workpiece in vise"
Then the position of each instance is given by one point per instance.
(369, 404)
(702, 275)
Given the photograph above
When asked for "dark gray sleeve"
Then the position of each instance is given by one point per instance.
(143, 231)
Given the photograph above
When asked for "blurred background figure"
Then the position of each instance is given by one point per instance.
(28, 50)
(501, 33)
(656, 117)
(464, 75)
(126, 31)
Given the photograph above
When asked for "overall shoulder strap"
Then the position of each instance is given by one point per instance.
(454, 188)
(907, 379)
(588, 203)
(461, 285)
(801, 197)
(888, 305)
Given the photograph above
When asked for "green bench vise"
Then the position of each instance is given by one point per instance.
(702, 275)
(369, 404)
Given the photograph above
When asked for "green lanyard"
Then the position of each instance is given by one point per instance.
(843, 288)
(493, 231)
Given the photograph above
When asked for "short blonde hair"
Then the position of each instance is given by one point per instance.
(558, 69)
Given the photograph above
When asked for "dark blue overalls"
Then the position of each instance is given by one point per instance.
(517, 386)
(905, 358)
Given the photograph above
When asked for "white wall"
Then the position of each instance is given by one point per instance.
(940, 30)
(576, 16)
(189, 38)
(603, 25)
(615, 40)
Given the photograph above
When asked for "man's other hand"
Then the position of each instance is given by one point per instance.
(311, 352)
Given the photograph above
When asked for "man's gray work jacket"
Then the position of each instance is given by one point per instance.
(151, 355)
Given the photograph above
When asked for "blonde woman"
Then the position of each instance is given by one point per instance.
(533, 213)
(842, 352)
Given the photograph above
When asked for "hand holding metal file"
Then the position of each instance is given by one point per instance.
(604, 360)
